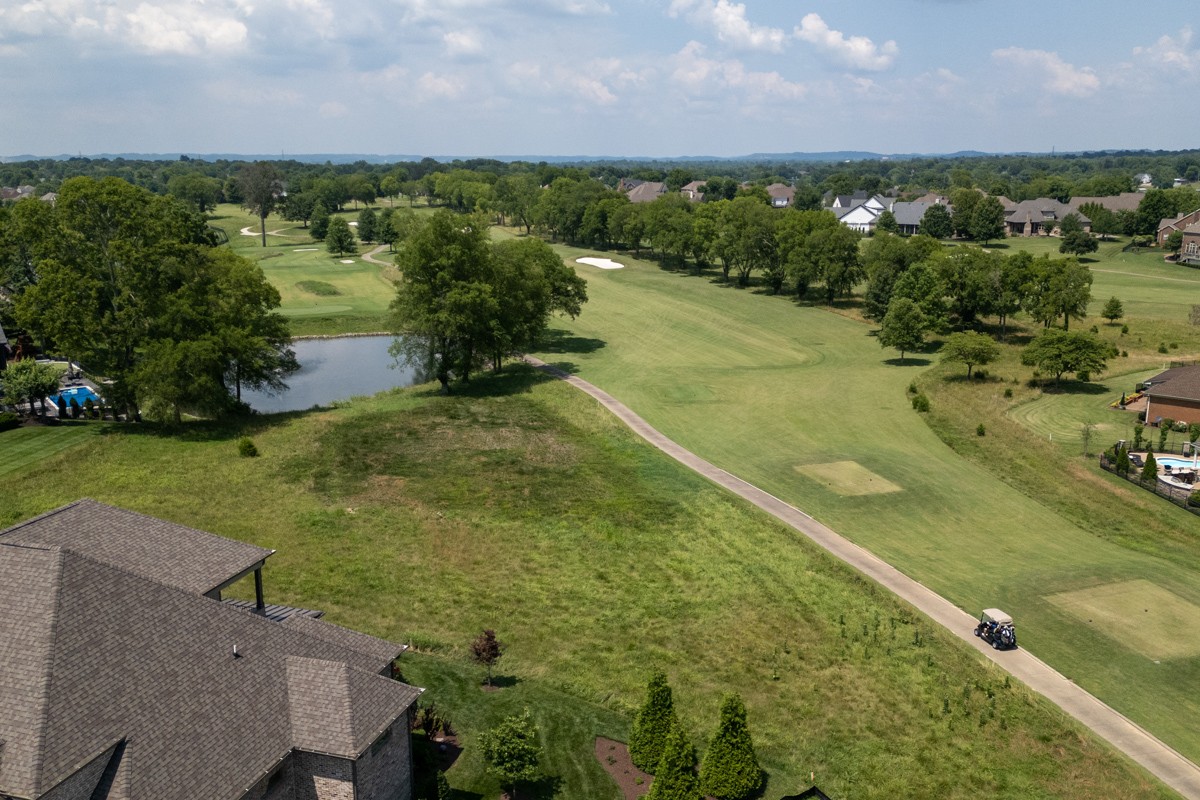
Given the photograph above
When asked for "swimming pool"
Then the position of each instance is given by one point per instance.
(81, 394)
(1174, 463)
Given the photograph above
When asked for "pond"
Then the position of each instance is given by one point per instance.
(335, 369)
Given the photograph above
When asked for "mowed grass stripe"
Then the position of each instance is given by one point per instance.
(24, 448)
(955, 527)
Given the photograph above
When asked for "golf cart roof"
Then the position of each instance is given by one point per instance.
(996, 615)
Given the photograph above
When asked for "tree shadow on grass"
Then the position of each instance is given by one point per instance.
(1074, 387)
(503, 681)
(542, 789)
(515, 378)
(908, 361)
(560, 341)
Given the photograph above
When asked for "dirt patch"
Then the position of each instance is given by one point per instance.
(1137, 614)
(614, 757)
(847, 478)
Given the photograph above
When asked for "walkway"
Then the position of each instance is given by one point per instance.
(1122, 733)
(371, 259)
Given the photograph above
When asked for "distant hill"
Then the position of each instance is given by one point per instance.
(377, 158)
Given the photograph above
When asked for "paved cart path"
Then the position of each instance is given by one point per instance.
(1128, 737)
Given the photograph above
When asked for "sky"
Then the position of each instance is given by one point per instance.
(654, 78)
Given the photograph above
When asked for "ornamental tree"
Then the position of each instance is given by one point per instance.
(653, 722)
(730, 769)
(1150, 468)
(486, 650)
(675, 776)
(511, 750)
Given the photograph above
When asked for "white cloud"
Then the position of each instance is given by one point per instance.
(856, 52)
(587, 86)
(463, 43)
(702, 76)
(729, 22)
(1050, 72)
(431, 86)
(183, 28)
(1173, 53)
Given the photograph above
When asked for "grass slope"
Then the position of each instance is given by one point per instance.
(763, 388)
(21, 448)
(522, 505)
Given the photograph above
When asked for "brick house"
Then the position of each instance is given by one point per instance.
(1189, 251)
(124, 676)
(1171, 224)
(1040, 216)
(1174, 394)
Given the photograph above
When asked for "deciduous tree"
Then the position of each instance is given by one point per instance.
(339, 239)
(903, 326)
(971, 348)
(1113, 310)
(260, 185)
(512, 751)
(486, 650)
(1057, 352)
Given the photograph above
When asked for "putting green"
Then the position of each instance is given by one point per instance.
(1139, 615)
(847, 478)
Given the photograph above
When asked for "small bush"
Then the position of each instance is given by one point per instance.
(247, 448)
(1194, 499)
(1094, 329)
(9, 420)
(981, 374)
(921, 403)
(1124, 354)
(1162, 347)
(912, 388)
(1008, 392)
(1124, 329)
(980, 430)
(1083, 375)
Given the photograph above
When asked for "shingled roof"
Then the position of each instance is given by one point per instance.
(1178, 383)
(103, 670)
(190, 559)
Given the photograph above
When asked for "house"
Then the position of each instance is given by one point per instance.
(859, 214)
(1168, 226)
(5, 352)
(646, 192)
(809, 794)
(694, 191)
(1042, 215)
(1125, 201)
(124, 675)
(1174, 394)
(781, 195)
(1189, 253)
(1144, 180)
(909, 215)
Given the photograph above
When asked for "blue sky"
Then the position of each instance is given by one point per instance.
(595, 77)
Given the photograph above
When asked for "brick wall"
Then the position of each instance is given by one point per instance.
(279, 784)
(1178, 410)
(323, 777)
(385, 769)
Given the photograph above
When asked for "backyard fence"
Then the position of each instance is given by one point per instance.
(1175, 494)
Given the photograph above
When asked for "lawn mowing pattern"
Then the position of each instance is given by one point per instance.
(521, 505)
(1139, 615)
(22, 448)
(956, 528)
(847, 478)
(1060, 417)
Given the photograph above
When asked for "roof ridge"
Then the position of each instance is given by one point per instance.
(39, 750)
(39, 517)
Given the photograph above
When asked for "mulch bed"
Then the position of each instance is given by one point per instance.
(614, 757)
(447, 749)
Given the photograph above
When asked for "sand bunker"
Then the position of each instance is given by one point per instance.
(847, 478)
(306, 249)
(602, 263)
(1137, 614)
(347, 260)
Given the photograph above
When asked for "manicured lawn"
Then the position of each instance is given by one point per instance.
(523, 506)
(22, 448)
(766, 389)
(296, 264)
